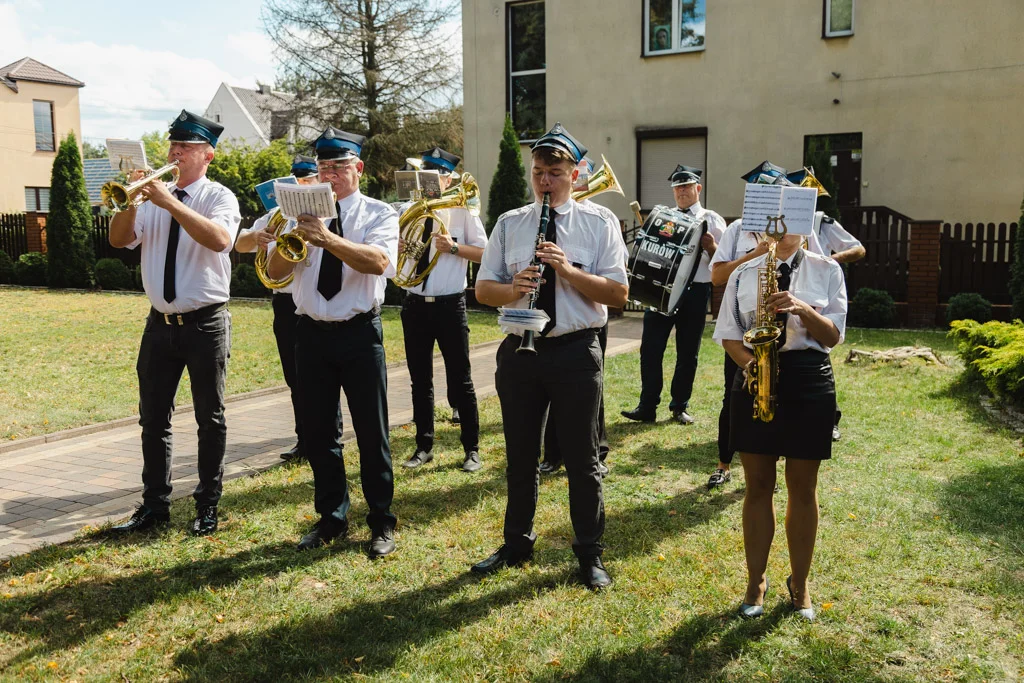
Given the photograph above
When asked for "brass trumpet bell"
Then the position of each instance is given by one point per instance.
(290, 246)
(603, 180)
(118, 197)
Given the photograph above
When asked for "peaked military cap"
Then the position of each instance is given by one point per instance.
(559, 138)
(337, 144)
(765, 173)
(437, 159)
(303, 166)
(189, 127)
(685, 175)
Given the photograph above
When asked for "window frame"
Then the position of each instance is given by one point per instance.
(510, 75)
(656, 133)
(53, 127)
(37, 208)
(676, 33)
(826, 16)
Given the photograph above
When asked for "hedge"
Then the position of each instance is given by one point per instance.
(994, 353)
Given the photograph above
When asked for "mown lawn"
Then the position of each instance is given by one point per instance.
(918, 574)
(68, 359)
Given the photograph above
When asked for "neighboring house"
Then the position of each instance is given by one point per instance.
(920, 101)
(38, 106)
(256, 117)
(97, 172)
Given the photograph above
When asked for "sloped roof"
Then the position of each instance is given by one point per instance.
(97, 172)
(28, 69)
(263, 104)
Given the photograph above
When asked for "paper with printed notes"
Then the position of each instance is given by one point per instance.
(795, 204)
(315, 200)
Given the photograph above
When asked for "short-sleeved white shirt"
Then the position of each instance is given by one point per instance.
(716, 227)
(829, 237)
(448, 276)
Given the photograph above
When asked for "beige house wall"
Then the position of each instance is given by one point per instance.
(936, 89)
(21, 165)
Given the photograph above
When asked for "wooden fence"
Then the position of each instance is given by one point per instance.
(976, 257)
(13, 237)
(885, 235)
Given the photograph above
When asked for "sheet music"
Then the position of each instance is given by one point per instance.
(316, 200)
(413, 185)
(797, 204)
(131, 152)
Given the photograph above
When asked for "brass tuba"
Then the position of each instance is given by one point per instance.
(291, 247)
(119, 197)
(412, 224)
(603, 180)
(764, 336)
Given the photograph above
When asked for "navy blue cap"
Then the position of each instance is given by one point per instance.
(559, 138)
(189, 127)
(765, 173)
(685, 175)
(437, 159)
(303, 166)
(337, 144)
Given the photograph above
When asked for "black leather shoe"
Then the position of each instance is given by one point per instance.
(294, 454)
(602, 469)
(640, 414)
(205, 522)
(472, 462)
(142, 519)
(836, 434)
(325, 531)
(548, 467)
(503, 557)
(682, 417)
(382, 543)
(455, 416)
(593, 574)
(418, 458)
(719, 478)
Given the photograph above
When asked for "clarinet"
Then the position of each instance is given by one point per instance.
(526, 346)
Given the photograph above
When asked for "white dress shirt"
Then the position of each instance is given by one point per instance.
(261, 223)
(591, 241)
(201, 276)
(817, 280)
(448, 276)
(735, 243)
(364, 221)
(716, 227)
(829, 237)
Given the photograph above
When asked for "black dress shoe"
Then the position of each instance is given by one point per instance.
(503, 557)
(548, 467)
(455, 416)
(205, 522)
(420, 457)
(593, 574)
(640, 414)
(325, 531)
(472, 462)
(382, 543)
(602, 469)
(720, 477)
(142, 519)
(682, 417)
(294, 454)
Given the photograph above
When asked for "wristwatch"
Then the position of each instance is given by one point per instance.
(455, 248)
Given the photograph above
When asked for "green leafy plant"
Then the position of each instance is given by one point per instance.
(245, 283)
(508, 187)
(1017, 269)
(112, 274)
(968, 306)
(994, 352)
(6, 269)
(872, 308)
(31, 269)
(69, 224)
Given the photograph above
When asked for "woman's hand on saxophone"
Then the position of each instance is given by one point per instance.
(785, 302)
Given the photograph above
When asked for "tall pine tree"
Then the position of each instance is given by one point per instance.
(1017, 269)
(508, 187)
(69, 223)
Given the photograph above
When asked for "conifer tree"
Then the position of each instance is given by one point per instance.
(508, 187)
(1017, 269)
(69, 224)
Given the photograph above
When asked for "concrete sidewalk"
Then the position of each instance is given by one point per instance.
(49, 491)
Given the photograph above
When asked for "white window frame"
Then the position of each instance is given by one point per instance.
(676, 33)
(826, 32)
(512, 74)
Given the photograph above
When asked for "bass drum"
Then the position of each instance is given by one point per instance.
(664, 258)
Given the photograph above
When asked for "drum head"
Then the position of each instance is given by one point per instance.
(660, 263)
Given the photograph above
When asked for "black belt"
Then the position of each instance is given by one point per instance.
(564, 338)
(191, 316)
(436, 299)
(336, 324)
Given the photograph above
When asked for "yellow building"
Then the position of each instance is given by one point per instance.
(38, 106)
(920, 101)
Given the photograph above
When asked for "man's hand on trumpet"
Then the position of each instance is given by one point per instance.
(158, 193)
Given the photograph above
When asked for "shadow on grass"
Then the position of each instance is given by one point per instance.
(965, 393)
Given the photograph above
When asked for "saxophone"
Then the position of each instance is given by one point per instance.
(763, 337)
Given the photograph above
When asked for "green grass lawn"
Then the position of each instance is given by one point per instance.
(68, 359)
(919, 564)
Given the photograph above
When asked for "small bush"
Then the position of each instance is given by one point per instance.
(6, 269)
(137, 279)
(393, 294)
(872, 308)
(993, 352)
(968, 306)
(245, 283)
(112, 274)
(31, 269)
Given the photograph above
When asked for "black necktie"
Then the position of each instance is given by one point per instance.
(329, 281)
(784, 276)
(170, 294)
(421, 265)
(546, 296)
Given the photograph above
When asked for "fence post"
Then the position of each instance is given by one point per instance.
(35, 231)
(923, 276)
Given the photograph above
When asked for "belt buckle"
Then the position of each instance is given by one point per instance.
(169, 318)
(430, 299)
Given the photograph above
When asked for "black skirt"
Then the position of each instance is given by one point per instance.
(805, 409)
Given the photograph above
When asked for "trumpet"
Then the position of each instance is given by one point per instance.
(290, 246)
(118, 197)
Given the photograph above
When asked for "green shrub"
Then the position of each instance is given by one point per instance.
(245, 283)
(6, 269)
(993, 352)
(137, 279)
(69, 223)
(112, 274)
(968, 306)
(393, 294)
(31, 269)
(872, 308)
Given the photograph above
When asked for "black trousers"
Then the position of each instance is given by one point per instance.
(329, 358)
(445, 322)
(552, 453)
(688, 321)
(725, 453)
(564, 381)
(203, 346)
(285, 321)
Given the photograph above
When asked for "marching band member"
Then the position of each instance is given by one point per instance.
(186, 234)
(436, 310)
(259, 236)
(812, 298)
(688, 319)
(585, 272)
(339, 343)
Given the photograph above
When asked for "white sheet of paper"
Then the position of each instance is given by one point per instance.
(795, 203)
(316, 200)
(133, 152)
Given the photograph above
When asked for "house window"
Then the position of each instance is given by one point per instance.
(216, 118)
(658, 152)
(672, 26)
(42, 112)
(37, 199)
(527, 69)
(838, 19)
